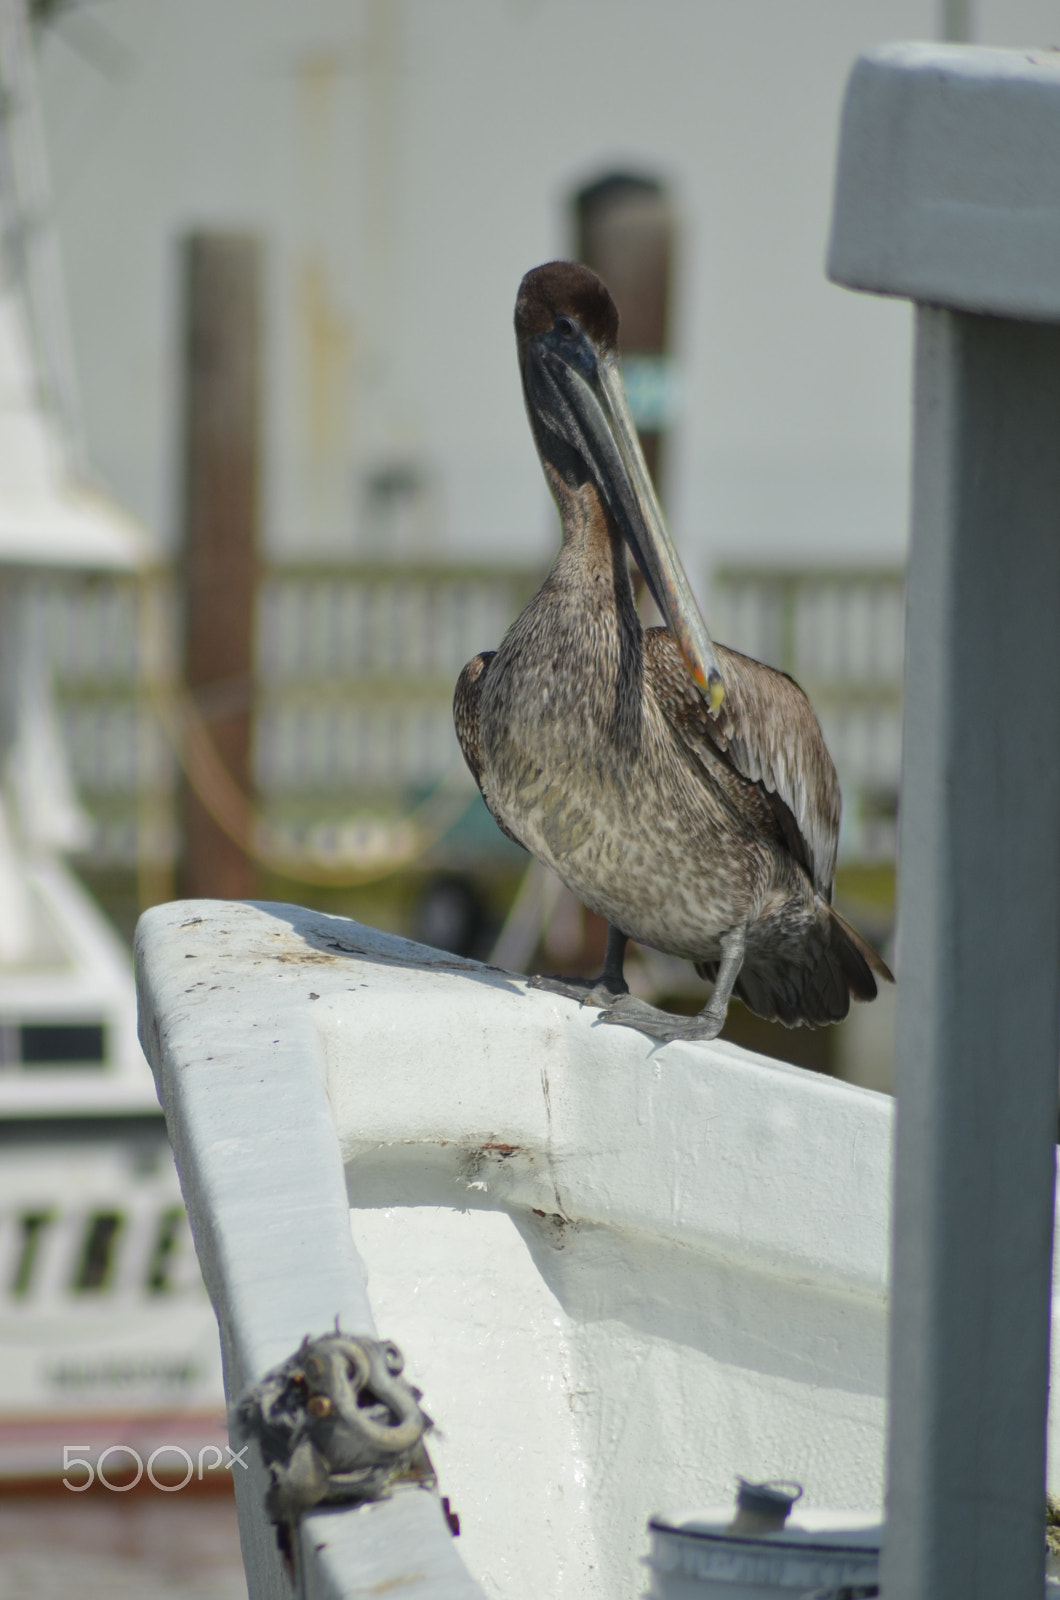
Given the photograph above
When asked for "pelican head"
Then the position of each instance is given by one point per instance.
(566, 325)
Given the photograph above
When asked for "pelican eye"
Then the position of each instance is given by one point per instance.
(567, 328)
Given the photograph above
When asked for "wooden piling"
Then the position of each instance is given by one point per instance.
(221, 507)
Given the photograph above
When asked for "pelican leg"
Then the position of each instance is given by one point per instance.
(602, 991)
(628, 1012)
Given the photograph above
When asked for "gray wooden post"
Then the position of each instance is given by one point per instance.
(948, 193)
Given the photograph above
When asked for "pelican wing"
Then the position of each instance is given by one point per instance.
(466, 699)
(767, 731)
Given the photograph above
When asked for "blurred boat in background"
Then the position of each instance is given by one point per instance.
(107, 1336)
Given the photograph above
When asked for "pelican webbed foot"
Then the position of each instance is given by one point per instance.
(603, 991)
(629, 1012)
(587, 991)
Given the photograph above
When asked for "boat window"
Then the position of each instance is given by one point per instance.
(61, 1044)
(97, 1257)
(170, 1224)
(32, 1224)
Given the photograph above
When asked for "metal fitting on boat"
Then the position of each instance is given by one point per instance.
(763, 1552)
(763, 1507)
(337, 1423)
(858, 1592)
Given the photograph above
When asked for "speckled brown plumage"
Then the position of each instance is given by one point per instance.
(594, 748)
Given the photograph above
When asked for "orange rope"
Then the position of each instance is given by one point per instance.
(235, 814)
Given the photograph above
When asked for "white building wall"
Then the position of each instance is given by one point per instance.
(407, 161)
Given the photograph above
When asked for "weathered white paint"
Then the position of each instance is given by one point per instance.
(948, 192)
(620, 1274)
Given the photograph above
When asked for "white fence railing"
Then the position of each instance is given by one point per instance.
(354, 675)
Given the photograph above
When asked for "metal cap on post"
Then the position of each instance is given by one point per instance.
(948, 193)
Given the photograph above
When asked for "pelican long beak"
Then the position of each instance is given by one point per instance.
(594, 416)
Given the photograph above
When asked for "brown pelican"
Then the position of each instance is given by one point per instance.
(681, 790)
